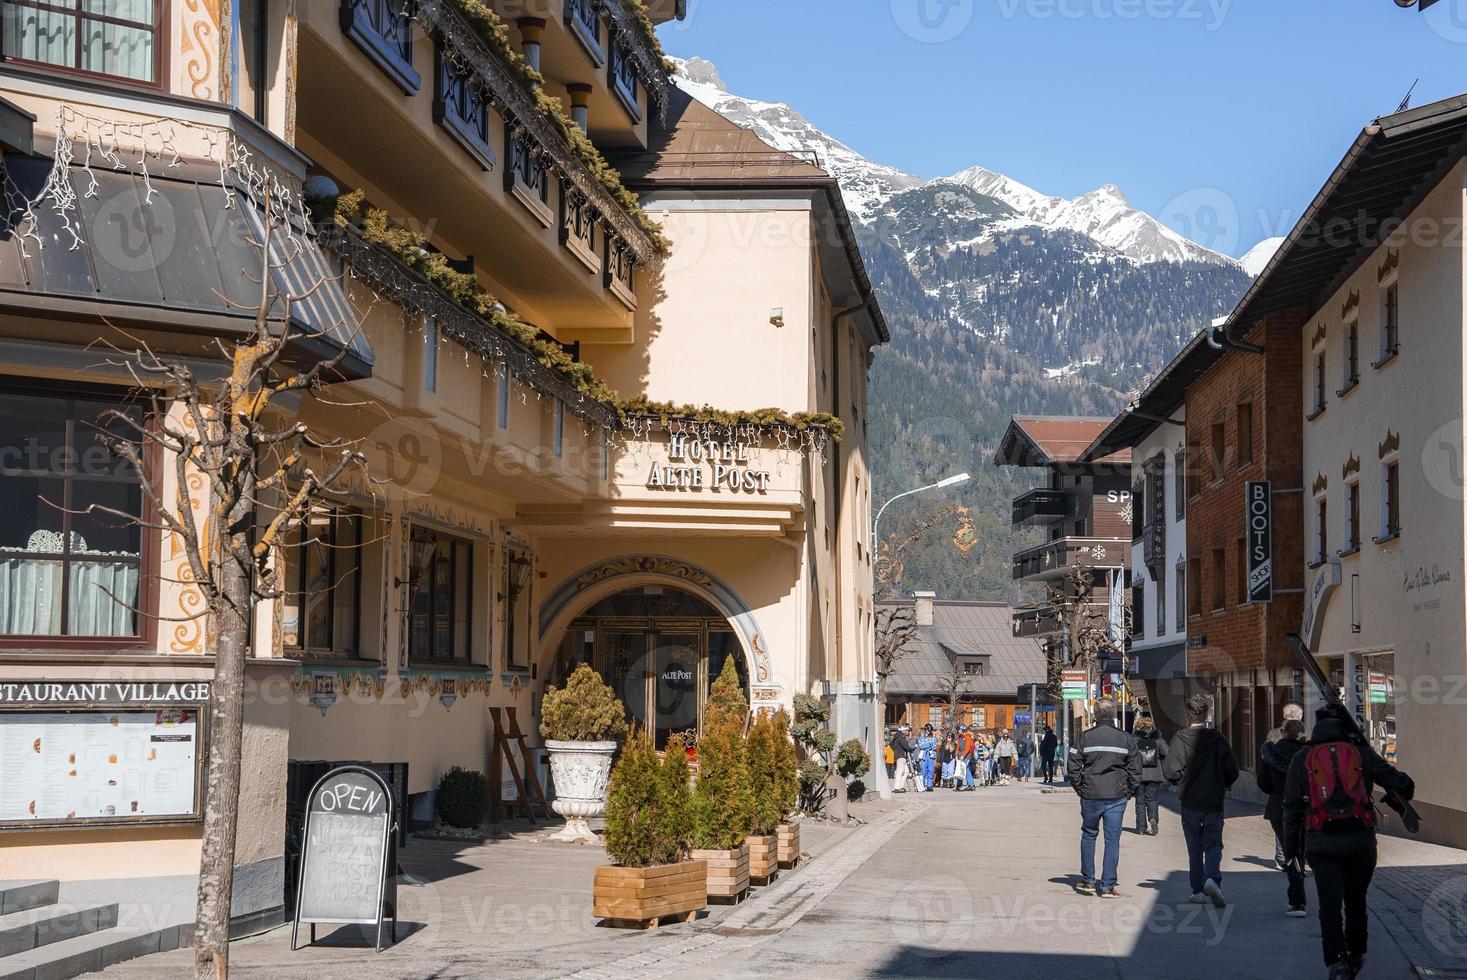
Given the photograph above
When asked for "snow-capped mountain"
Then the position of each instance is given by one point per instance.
(1103, 215)
(1254, 260)
(866, 186)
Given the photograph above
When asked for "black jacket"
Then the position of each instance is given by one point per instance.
(1342, 836)
(901, 747)
(1202, 765)
(1273, 768)
(1151, 743)
(1047, 745)
(1104, 763)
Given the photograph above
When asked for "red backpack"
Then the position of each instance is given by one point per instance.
(1337, 788)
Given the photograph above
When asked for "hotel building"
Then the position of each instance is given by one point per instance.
(516, 522)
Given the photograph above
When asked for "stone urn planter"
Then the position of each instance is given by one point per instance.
(763, 862)
(787, 844)
(641, 896)
(582, 771)
(728, 871)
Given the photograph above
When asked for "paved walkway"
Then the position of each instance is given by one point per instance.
(940, 885)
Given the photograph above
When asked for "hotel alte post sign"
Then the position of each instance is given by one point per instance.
(712, 465)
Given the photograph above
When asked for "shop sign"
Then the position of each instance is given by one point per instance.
(1379, 688)
(103, 692)
(699, 465)
(1315, 602)
(1259, 515)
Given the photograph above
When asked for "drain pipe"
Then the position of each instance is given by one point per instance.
(1218, 339)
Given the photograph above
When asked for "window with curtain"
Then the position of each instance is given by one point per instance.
(323, 573)
(107, 37)
(63, 571)
(442, 587)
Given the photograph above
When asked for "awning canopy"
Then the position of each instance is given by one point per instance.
(178, 261)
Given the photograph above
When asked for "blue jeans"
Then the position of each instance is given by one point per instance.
(1092, 814)
(1024, 763)
(1203, 831)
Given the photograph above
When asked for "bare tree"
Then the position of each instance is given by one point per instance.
(954, 688)
(1084, 626)
(257, 463)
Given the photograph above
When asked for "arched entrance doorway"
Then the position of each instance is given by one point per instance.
(660, 648)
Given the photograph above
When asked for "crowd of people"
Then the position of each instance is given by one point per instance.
(1320, 805)
(964, 758)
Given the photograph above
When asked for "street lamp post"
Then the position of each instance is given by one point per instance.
(882, 785)
(951, 481)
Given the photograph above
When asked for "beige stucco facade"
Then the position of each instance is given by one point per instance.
(544, 503)
(1401, 609)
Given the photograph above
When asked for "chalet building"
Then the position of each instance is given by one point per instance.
(1082, 507)
(1361, 313)
(968, 647)
(518, 519)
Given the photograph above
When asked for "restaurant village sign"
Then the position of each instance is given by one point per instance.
(712, 465)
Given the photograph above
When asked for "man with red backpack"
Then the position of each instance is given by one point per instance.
(1329, 818)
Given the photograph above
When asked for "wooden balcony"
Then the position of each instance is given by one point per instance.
(1041, 506)
(1055, 558)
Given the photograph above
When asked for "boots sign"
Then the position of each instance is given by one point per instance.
(711, 465)
(1260, 541)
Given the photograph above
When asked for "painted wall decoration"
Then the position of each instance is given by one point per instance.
(198, 47)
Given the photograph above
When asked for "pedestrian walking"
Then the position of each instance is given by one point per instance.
(948, 760)
(1274, 758)
(1104, 769)
(1152, 750)
(927, 757)
(1007, 752)
(1329, 818)
(888, 756)
(965, 757)
(902, 747)
(1026, 757)
(1293, 711)
(1201, 764)
(1048, 746)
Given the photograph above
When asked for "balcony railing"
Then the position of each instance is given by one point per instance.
(585, 23)
(383, 29)
(621, 74)
(578, 223)
(1041, 506)
(1035, 621)
(1057, 557)
(620, 273)
(462, 109)
(528, 175)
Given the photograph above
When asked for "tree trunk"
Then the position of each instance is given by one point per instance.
(226, 735)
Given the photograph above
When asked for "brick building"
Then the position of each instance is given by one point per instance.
(1243, 420)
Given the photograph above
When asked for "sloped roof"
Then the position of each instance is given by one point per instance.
(1044, 440)
(1389, 169)
(1166, 392)
(963, 629)
(696, 142)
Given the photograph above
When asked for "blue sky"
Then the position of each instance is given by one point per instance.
(1221, 117)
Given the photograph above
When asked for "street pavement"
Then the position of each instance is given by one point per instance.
(934, 885)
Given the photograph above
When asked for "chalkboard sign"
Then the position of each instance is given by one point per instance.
(344, 859)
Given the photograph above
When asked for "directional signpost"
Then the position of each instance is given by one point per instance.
(1074, 685)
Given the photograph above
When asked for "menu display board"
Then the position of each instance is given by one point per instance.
(99, 764)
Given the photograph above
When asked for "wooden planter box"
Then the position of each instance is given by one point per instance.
(728, 872)
(787, 844)
(763, 864)
(642, 896)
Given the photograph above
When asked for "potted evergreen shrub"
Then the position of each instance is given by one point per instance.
(581, 724)
(786, 790)
(763, 759)
(722, 798)
(649, 830)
